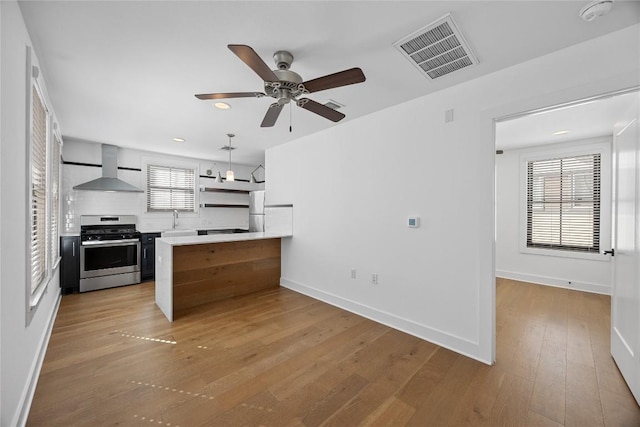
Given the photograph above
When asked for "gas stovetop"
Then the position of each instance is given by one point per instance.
(108, 227)
(108, 232)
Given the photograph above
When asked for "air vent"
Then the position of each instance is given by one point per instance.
(333, 104)
(437, 49)
(227, 148)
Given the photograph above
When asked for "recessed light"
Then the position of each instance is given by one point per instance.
(560, 132)
(222, 106)
(179, 139)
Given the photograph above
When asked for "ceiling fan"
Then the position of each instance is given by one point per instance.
(285, 85)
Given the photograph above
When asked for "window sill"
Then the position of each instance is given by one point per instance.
(566, 254)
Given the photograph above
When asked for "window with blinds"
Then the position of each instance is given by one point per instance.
(38, 213)
(170, 188)
(563, 203)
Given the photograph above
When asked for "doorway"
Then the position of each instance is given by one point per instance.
(560, 132)
(554, 133)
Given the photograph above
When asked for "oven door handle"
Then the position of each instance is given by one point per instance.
(109, 242)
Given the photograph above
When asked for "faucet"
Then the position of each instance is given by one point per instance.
(175, 218)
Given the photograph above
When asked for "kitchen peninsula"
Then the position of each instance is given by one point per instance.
(195, 270)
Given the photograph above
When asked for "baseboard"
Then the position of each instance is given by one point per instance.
(451, 342)
(27, 397)
(555, 282)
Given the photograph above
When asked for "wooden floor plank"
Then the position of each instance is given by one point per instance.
(475, 405)
(548, 396)
(583, 405)
(441, 403)
(392, 412)
(512, 402)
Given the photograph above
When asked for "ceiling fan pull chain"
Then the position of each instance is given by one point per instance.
(290, 118)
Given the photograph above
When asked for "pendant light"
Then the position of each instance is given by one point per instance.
(229, 171)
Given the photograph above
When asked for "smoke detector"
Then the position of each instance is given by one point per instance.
(595, 8)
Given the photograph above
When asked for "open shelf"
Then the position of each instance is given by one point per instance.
(223, 190)
(222, 205)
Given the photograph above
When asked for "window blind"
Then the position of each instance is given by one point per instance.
(55, 199)
(39, 247)
(170, 188)
(563, 203)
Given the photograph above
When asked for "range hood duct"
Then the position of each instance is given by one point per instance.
(109, 180)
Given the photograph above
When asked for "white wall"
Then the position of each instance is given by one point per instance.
(22, 347)
(77, 203)
(437, 281)
(590, 273)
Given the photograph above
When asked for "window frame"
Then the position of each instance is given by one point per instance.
(600, 146)
(52, 206)
(36, 289)
(171, 164)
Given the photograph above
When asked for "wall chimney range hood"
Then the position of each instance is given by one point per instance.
(109, 180)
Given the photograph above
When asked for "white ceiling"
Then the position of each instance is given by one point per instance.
(125, 72)
(587, 119)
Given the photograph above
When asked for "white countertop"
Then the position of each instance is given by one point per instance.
(219, 238)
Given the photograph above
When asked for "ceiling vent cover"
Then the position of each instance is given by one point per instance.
(437, 49)
(335, 105)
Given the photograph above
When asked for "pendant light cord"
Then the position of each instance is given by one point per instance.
(230, 172)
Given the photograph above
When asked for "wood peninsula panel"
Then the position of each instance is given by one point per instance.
(210, 272)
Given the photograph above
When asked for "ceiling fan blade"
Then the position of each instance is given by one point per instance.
(341, 78)
(251, 58)
(322, 110)
(205, 96)
(272, 115)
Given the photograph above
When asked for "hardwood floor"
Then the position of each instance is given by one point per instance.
(278, 358)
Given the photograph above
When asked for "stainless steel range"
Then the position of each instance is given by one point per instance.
(109, 251)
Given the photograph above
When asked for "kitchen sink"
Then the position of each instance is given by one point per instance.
(178, 233)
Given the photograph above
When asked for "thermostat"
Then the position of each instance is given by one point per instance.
(413, 222)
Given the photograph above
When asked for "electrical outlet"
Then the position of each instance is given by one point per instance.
(374, 279)
(353, 273)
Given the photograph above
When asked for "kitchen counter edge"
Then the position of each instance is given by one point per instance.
(219, 238)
